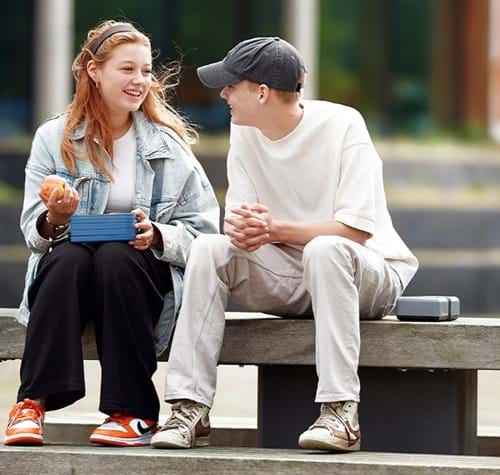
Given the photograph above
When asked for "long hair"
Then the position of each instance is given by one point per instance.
(88, 107)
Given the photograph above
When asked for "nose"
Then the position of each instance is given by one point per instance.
(223, 93)
(138, 78)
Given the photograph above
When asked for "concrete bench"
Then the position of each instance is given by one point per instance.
(419, 380)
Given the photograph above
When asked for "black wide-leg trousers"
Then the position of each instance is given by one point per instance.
(121, 290)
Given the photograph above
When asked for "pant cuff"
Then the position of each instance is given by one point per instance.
(170, 397)
(336, 398)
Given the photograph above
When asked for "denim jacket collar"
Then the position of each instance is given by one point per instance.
(151, 143)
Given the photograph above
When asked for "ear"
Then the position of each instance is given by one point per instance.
(92, 71)
(263, 93)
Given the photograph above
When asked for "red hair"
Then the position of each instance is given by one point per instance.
(87, 105)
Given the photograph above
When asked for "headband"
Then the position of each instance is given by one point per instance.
(109, 32)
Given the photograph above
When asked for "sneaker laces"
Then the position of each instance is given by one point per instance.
(182, 417)
(27, 411)
(342, 410)
(117, 417)
(329, 417)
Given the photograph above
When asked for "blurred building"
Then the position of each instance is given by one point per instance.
(418, 68)
(413, 67)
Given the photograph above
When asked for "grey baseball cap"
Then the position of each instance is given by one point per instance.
(266, 60)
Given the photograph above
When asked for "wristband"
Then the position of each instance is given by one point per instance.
(56, 228)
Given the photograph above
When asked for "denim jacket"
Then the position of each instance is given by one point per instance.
(171, 188)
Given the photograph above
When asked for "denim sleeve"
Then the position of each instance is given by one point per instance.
(196, 212)
(40, 164)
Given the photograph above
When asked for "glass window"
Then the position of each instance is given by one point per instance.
(16, 64)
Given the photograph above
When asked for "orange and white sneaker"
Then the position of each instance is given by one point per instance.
(124, 431)
(25, 426)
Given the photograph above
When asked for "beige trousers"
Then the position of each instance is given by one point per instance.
(334, 278)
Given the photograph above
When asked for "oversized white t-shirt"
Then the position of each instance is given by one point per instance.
(326, 168)
(122, 190)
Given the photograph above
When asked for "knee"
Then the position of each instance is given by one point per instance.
(72, 257)
(111, 256)
(209, 245)
(328, 249)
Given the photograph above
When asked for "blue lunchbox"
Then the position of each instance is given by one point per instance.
(102, 227)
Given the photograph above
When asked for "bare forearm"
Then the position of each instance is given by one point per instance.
(301, 233)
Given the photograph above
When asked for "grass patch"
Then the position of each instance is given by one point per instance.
(16, 144)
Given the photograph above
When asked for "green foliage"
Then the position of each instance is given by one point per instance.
(473, 131)
(9, 194)
(375, 55)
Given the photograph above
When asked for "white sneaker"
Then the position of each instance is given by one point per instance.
(337, 428)
(188, 426)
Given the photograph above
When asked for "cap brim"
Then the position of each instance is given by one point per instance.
(215, 75)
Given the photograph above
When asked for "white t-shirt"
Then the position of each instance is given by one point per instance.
(121, 195)
(326, 168)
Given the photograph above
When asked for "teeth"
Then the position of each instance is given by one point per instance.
(133, 93)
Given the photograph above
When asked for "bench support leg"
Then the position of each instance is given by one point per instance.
(285, 404)
(401, 411)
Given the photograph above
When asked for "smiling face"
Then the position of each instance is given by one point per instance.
(124, 80)
(243, 101)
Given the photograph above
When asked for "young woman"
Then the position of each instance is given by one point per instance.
(121, 148)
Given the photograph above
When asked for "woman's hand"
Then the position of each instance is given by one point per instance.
(59, 211)
(148, 236)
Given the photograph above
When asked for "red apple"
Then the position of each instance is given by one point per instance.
(49, 183)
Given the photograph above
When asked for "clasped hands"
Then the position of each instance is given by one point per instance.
(249, 226)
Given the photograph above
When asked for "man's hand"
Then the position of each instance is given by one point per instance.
(250, 228)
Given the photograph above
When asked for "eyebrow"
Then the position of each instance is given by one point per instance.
(129, 61)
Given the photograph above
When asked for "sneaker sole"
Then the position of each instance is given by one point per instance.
(337, 445)
(166, 444)
(120, 441)
(23, 439)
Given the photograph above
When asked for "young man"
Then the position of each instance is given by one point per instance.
(307, 230)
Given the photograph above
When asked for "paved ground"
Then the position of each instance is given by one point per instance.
(236, 394)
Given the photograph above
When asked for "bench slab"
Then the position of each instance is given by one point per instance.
(258, 339)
